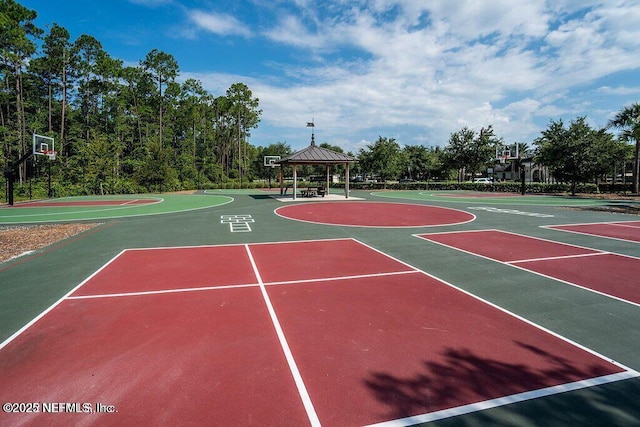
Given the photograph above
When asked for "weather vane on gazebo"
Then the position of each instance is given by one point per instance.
(312, 126)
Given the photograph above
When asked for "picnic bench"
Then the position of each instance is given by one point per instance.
(313, 192)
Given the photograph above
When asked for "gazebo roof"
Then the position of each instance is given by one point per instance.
(317, 155)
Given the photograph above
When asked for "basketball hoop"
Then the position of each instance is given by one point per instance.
(51, 154)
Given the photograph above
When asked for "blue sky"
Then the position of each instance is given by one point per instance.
(413, 70)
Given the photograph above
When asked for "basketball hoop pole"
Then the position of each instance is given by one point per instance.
(271, 162)
(10, 171)
(49, 174)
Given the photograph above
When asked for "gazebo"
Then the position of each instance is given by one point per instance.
(314, 155)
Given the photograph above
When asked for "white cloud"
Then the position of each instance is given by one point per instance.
(619, 90)
(218, 23)
(291, 31)
(439, 65)
(471, 19)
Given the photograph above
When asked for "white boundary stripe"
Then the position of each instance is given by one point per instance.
(528, 237)
(493, 209)
(511, 264)
(55, 304)
(242, 285)
(520, 397)
(569, 244)
(501, 401)
(284, 242)
(103, 208)
(550, 258)
(503, 309)
(164, 291)
(622, 224)
(629, 373)
(337, 278)
(302, 389)
(91, 218)
(529, 322)
(595, 223)
(584, 233)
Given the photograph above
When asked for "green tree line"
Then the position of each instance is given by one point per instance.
(126, 129)
(574, 154)
(117, 128)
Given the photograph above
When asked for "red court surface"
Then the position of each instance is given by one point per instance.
(609, 274)
(77, 203)
(374, 214)
(372, 344)
(169, 267)
(623, 230)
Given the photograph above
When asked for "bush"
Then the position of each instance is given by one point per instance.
(502, 187)
(125, 186)
(617, 188)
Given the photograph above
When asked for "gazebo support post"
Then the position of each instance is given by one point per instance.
(295, 181)
(346, 181)
(327, 178)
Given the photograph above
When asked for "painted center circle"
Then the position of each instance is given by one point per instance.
(374, 214)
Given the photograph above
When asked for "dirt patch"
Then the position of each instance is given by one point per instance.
(610, 196)
(620, 203)
(617, 208)
(182, 192)
(21, 239)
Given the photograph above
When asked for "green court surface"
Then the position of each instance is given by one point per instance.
(92, 208)
(244, 191)
(488, 197)
(30, 284)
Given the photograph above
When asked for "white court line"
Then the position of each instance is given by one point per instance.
(275, 211)
(511, 264)
(594, 223)
(519, 397)
(592, 234)
(302, 389)
(55, 304)
(620, 224)
(336, 278)
(160, 248)
(506, 400)
(567, 244)
(551, 258)
(115, 208)
(163, 291)
(521, 235)
(240, 285)
(465, 409)
(103, 208)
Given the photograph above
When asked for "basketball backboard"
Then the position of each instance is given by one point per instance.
(271, 161)
(507, 152)
(44, 146)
